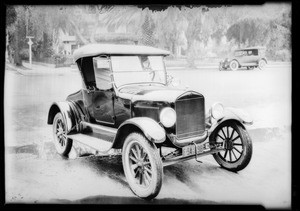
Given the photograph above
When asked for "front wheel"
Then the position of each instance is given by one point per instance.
(237, 145)
(220, 67)
(234, 65)
(142, 166)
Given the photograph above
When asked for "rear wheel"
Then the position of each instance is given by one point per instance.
(62, 144)
(142, 166)
(234, 65)
(237, 145)
(261, 64)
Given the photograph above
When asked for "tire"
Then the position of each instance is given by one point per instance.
(261, 64)
(237, 142)
(142, 166)
(234, 65)
(62, 144)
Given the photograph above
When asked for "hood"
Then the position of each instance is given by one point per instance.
(151, 93)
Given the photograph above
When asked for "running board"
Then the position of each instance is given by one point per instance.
(93, 142)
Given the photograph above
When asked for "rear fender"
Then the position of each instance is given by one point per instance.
(65, 109)
(149, 127)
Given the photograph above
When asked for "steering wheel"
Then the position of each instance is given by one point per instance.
(153, 74)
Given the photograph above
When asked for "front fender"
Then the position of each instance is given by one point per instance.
(66, 110)
(232, 114)
(151, 129)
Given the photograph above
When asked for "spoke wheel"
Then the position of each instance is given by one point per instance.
(234, 65)
(142, 166)
(62, 144)
(237, 145)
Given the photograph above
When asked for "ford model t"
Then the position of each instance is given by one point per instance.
(128, 105)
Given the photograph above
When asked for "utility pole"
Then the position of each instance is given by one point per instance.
(30, 43)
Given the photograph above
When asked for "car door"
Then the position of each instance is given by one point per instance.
(244, 59)
(103, 95)
(252, 55)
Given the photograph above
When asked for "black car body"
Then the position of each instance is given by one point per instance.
(126, 105)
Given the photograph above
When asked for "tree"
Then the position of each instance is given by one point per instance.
(11, 17)
(254, 31)
(137, 20)
(170, 27)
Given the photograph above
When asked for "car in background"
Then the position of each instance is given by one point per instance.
(251, 57)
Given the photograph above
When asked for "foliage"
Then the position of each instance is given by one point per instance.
(24, 54)
(59, 58)
(11, 16)
(251, 31)
(191, 31)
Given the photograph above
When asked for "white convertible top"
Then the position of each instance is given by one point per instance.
(114, 49)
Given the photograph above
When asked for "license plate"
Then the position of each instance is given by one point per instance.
(190, 149)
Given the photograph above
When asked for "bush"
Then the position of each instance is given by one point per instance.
(283, 55)
(24, 54)
(59, 58)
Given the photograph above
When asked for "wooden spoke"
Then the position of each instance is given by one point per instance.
(231, 136)
(227, 131)
(132, 158)
(221, 137)
(235, 138)
(138, 151)
(237, 150)
(134, 153)
(234, 154)
(223, 133)
(225, 153)
(148, 170)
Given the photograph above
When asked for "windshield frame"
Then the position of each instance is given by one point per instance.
(136, 83)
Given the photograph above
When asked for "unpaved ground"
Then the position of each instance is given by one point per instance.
(36, 174)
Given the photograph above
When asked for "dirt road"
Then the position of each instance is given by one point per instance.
(36, 174)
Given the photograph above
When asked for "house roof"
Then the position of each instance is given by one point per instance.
(114, 49)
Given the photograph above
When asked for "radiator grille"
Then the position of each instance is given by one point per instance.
(190, 116)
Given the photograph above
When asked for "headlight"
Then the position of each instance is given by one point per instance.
(167, 117)
(217, 111)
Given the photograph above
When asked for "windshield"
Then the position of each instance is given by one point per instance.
(138, 69)
(240, 53)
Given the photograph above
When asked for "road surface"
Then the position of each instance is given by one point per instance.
(34, 173)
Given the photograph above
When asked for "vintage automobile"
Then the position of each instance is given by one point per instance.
(127, 107)
(250, 58)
